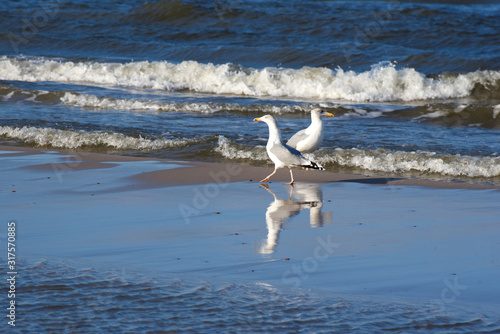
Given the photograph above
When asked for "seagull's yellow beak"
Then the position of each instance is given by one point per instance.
(329, 114)
(257, 119)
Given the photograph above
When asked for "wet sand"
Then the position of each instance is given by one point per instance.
(381, 238)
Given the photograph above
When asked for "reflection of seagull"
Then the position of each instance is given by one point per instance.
(309, 140)
(312, 194)
(281, 154)
(279, 211)
(276, 215)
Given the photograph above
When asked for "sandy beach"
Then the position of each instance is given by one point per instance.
(384, 240)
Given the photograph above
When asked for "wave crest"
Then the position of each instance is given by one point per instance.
(380, 160)
(230, 150)
(383, 160)
(382, 83)
(111, 103)
(77, 139)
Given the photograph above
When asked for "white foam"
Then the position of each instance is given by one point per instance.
(8, 96)
(435, 114)
(382, 83)
(381, 160)
(427, 162)
(75, 139)
(109, 103)
(496, 111)
(358, 112)
(229, 150)
(460, 108)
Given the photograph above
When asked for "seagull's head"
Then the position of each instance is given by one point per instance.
(321, 112)
(266, 119)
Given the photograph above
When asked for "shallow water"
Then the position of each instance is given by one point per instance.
(96, 253)
(71, 297)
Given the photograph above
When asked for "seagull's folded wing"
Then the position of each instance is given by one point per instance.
(296, 138)
(287, 156)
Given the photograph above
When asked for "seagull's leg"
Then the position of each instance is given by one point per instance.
(291, 174)
(267, 178)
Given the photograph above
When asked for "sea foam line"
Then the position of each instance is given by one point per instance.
(229, 150)
(381, 160)
(382, 83)
(111, 103)
(75, 139)
(384, 160)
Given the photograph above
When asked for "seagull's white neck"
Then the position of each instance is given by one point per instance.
(316, 119)
(274, 132)
(316, 123)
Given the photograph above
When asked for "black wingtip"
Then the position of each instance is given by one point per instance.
(314, 165)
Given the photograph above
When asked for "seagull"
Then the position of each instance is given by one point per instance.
(309, 140)
(281, 154)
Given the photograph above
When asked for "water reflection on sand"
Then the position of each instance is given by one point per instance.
(306, 196)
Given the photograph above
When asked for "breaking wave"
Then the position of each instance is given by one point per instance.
(230, 150)
(380, 160)
(383, 160)
(384, 82)
(70, 139)
(90, 101)
(111, 103)
(445, 114)
(377, 160)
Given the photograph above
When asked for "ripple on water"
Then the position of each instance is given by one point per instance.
(63, 297)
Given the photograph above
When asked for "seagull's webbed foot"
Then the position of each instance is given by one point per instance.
(268, 177)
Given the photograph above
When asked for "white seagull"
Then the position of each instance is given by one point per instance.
(281, 154)
(309, 140)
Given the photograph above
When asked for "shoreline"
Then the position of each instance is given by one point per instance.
(199, 172)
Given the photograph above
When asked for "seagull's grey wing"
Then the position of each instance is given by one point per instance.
(296, 138)
(287, 155)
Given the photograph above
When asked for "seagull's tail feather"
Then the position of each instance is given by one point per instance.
(313, 165)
